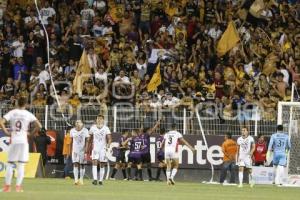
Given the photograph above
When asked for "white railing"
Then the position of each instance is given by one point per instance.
(123, 117)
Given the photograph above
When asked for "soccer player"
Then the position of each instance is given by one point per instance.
(280, 144)
(160, 154)
(79, 136)
(170, 144)
(135, 154)
(100, 137)
(246, 148)
(18, 152)
(121, 158)
(146, 156)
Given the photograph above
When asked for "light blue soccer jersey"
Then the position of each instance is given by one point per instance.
(279, 143)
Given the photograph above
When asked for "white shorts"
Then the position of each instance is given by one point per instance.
(18, 153)
(99, 155)
(245, 161)
(171, 155)
(78, 157)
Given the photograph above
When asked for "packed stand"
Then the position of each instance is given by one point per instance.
(125, 41)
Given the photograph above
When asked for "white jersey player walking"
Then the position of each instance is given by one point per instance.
(170, 144)
(18, 152)
(246, 148)
(100, 136)
(79, 136)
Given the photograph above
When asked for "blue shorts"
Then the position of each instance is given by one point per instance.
(279, 159)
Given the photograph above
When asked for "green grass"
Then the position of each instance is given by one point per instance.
(60, 189)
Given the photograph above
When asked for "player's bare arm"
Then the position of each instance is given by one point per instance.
(252, 149)
(183, 141)
(154, 127)
(2, 126)
(109, 139)
(89, 143)
(37, 126)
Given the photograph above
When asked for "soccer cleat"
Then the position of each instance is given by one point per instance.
(112, 179)
(94, 182)
(76, 183)
(100, 183)
(240, 185)
(19, 188)
(168, 182)
(172, 181)
(6, 188)
(81, 182)
(252, 184)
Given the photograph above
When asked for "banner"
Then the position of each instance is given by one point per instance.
(264, 175)
(30, 167)
(202, 158)
(4, 142)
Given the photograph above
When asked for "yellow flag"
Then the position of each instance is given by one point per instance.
(83, 73)
(155, 80)
(228, 40)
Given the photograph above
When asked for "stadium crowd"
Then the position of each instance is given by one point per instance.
(126, 39)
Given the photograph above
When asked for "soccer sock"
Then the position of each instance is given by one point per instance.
(165, 172)
(136, 173)
(140, 171)
(149, 173)
(9, 173)
(113, 173)
(82, 172)
(95, 172)
(75, 172)
(174, 171)
(277, 176)
(158, 173)
(251, 181)
(241, 177)
(124, 173)
(102, 171)
(168, 174)
(274, 173)
(20, 176)
(281, 173)
(129, 172)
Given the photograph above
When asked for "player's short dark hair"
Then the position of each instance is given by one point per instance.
(259, 135)
(162, 131)
(279, 127)
(174, 126)
(22, 101)
(229, 135)
(101, 116)
(245, 128)
(146, 129)
(124, 131)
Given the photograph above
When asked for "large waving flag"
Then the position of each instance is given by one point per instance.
(155, 80)
(83, 73)
(228, 40)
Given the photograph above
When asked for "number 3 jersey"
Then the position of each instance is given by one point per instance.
(79, 138)
(279, 143)
(171, 141)
(245, 145)
(19, 123)
(99, 137)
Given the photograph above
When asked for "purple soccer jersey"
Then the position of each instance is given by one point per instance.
(135, 147)
(146, 143)
(159, 149)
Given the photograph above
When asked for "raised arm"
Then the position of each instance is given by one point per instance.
(183, 141)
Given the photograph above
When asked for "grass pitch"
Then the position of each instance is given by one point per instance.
(57, 189)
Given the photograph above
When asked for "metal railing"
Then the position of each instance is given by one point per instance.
(119, 118)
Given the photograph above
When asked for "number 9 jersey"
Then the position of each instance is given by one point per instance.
(171, 144)
(19, 123)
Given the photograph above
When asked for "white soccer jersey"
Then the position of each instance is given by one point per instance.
(99, 136)
(79, 138)
(171, 141)
(245, 145)
(19, 123)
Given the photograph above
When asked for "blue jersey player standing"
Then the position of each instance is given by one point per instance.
(280, 144)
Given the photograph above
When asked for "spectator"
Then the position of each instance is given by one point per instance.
(18, 46)
(260, 152)
(229, 148)
(41, 143)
